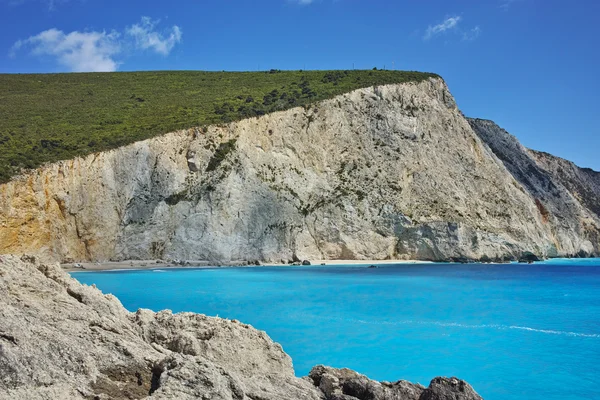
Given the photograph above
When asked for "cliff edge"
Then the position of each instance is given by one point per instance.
(386, 172)
(60, 339)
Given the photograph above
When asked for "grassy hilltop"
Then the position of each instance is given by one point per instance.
(51, 117)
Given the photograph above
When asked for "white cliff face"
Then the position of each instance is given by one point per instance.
(389, 172)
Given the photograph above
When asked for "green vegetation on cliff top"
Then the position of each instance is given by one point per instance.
(51, 117)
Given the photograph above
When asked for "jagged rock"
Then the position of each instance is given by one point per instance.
(461, 260)
(305, 262)
(63, 340)
(345, 384)
(71, 341)
(528, 258)
(389, 172)
(449, 388)
(191, 161)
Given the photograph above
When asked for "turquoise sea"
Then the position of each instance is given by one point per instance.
(512, 331)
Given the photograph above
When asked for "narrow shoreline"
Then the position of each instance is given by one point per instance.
(154, 264)
(132, 265)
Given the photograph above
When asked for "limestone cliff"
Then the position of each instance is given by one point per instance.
(386, 172)
(568, 197)
(63, 340)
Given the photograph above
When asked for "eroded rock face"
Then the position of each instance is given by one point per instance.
(391, 172)
(63, 340)
(567, 197)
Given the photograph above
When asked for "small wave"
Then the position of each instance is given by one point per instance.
(473, 326)
(516, 327)
(551, 332)
(158, 270)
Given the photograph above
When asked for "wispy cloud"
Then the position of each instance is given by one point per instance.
(302, 2)
(472, 33)
(78, 51)
(451, 26)
(505, 4)
(98, 51)
(50, 4)
(146, 37)
(449, 23)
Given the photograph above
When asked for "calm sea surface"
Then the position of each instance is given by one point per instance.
(512, 331)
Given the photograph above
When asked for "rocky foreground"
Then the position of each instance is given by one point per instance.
(60, 339)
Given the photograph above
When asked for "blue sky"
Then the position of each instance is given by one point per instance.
(530, 65)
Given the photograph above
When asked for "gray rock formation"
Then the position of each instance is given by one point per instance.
(63, 340)
(391, 172)
(582, 183)
(345, 384)
(567, 197)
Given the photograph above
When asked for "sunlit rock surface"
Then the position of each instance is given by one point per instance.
(390, 172)
(63, 340)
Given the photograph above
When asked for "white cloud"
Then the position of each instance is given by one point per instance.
(472, 34)
(448, 24)
(78, 51)
(505, 4)
(302, 2)
(50, 4)
(146, 37)
(98, 51)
